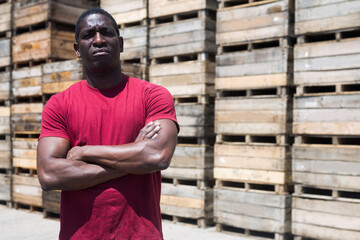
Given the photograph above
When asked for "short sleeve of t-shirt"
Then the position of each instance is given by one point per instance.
(160, 105)
(53, 122)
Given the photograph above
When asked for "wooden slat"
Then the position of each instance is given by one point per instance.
(5, 187)
(192, 156)
(5, 16)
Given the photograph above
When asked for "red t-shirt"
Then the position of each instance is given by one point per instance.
(124, 208)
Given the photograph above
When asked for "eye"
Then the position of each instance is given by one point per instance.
(88, 35)
(107, 32)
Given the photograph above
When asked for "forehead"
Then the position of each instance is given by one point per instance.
(95, 20)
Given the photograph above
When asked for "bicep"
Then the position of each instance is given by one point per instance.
(167, 135)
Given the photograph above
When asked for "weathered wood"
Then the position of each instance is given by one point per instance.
(4, 85)
(135, 42)
(51, 201)
(188, 173)
(192, 156)
(321, 16)
(5, 187)
(182, 37)
(5, 16)
(27, 81)
(192, 213)
(27, 190)
(185, 78)
(329, 115)
(5, 52)
(27, 13)
(5, 154)
(251, 116)
(241, 23)
(125, 11)
(60, 75)
(43, 44)
(158, 8)
(4, 120)
(139, 71)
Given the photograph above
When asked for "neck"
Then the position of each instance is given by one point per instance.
(103, 79)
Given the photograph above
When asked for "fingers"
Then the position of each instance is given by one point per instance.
(151, 130)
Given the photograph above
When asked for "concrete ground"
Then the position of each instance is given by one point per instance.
(24, 225)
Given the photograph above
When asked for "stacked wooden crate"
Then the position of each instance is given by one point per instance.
(132, 18)
(43, 32)
(326, 120)
(252, 165)
(5, 73)
(182, 50)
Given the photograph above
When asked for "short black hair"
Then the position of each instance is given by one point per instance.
(94, 11)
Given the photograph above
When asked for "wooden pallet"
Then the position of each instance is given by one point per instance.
(5, 187)
(125, 11)
(325, 219)
(237, 69)
(45, 43)
(326, 115)
(4, 120)
(5, 84)
(259, 20)
(326, 166)
(254, 116)
(27, 13)
(5, 52)
(161, 8)
(323, 16)
(51, 203)
(27, 81)
(195, 120)
(5, 19)
(253, 167)
(193, 34)
(188, 173)
(263, 212)
(318, 69)
(185, 79)
(136, 70)
(58, 76)
(189, 202)
(24, 153)
(135, 42)
(26, 117)
(5, 151)
(27, 190)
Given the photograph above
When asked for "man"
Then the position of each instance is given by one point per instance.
(104, 141)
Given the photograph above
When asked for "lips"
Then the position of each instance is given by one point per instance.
(100, 52)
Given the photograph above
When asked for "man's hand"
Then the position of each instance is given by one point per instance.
(149, 131)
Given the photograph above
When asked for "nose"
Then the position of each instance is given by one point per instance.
(98, 40)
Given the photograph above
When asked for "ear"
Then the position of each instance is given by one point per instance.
(76, 48)
(121, 43)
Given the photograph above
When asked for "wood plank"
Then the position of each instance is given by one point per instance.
(349, 101)
(327, 128)
(188, 173)
(255, 176)
(246, 104)
(5, 187)
(182, 37)
(327, 167)
(185, 48)
(117, 6)
(49, 88)
(182, 68)
(4, 111)
(131, 16)
(192, 213)
(327, 77)
(5, 48)
(159, 8)
(326, 115)
(186, 191)
(182, 202)
(28, 163)
(22, 108)
(27, 200)
(248, 82)
(250, 128)
(192, 156)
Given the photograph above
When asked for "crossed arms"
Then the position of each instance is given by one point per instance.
(61, 167)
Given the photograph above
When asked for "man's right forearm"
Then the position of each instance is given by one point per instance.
(65, 174)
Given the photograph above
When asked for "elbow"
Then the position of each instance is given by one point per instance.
(47, 182)
(162, 161)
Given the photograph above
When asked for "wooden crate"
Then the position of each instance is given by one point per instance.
(254, 214)
(26, 13)
(258, 68)
(4, 120)
(179, 37)
(325, 219)
(252, 167)
(26, 190)
(5, 187)
(159, 8)
(135, 43)
(188, 202)
(136, 70)
(51, 202)
(43, 44)
(327, 115)
(5, 52)
(252, 116)
(4, 85)
(26, 81)
(183, 79)
(327, 166)
(24, 153)
(323, 16)
(58, 76)
(5, 19)
(125, 11)
(331, 66)
(195, 120)
(26, 118)
(255, 21)
(5, 150)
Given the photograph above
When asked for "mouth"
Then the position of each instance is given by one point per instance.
(100, 52)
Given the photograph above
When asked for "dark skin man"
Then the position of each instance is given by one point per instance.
(64, 168)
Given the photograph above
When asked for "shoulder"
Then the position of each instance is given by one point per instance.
(62, 98)
(148, 88)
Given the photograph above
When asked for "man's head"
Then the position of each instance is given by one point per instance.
(98, 43)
